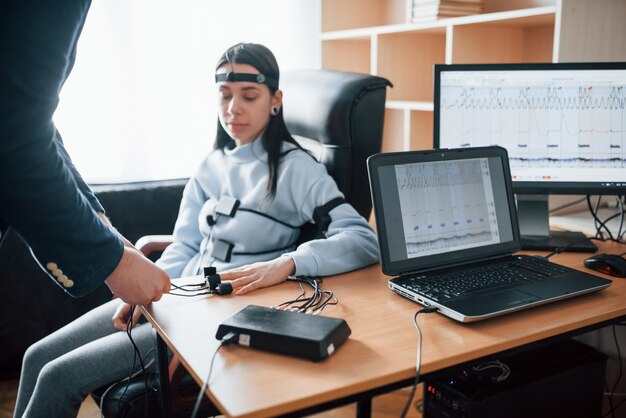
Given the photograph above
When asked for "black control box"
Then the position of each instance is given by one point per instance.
(563, 379)
(292, 333)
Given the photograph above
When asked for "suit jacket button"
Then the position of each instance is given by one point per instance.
(68, 283)
(51, 266)
(57, 273)
(63, 278)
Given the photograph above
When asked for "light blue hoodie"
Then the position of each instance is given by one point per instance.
(303, 185)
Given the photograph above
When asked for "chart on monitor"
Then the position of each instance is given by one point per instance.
(563, 125)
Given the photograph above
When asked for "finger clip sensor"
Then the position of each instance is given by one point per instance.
(215, 282)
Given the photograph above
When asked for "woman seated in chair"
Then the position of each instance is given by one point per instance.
(241, 213)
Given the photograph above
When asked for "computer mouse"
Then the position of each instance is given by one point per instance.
(611, 264)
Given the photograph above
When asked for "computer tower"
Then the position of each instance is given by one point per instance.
(563, 379)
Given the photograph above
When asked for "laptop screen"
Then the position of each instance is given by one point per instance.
(442, 207)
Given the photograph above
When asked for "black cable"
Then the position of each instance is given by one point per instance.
(317, 302)
(618, 239)
(619, 374)
(598, 223)
(599, 226)
(307, 301)
(289, 302)
(136, 354)
(622, 201)
(418, 362)
(614, 409)
(621, 222)
(228, 338)
(331, 296)
(302, 290)
(596, 220)
(132, 368)
(198, 286)
(610, 218)
(559, 250)
(313, 299)
(203, 248)
(285, 305)
(192, 294)
(313, 304)
(322, 305)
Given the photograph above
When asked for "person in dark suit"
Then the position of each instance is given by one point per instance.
(42, 195)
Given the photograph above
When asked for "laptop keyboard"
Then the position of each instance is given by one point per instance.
(451, 285)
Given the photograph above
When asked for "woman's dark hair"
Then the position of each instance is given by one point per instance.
(261, 58)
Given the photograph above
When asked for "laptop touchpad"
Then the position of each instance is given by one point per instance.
(510, 298)
(488, 303)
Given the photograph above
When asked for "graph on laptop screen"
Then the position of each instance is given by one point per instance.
(563, 125)
(446, 205)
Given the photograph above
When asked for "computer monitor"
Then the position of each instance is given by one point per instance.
(563, 125)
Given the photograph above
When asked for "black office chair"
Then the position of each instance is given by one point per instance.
(338, 118)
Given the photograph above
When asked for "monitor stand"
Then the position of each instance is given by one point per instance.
(533, 215)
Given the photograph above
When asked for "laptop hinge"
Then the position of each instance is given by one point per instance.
(411, 273)
(445, 266)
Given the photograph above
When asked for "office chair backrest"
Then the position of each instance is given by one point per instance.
(338, 117)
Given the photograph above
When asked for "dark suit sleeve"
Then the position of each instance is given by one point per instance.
(41, 194)
(80, 183)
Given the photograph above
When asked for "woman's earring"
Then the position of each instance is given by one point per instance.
(274, 110)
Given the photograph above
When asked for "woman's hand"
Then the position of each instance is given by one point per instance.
(120, 317)
(258, 275)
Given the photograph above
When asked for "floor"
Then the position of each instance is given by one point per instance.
(385, 406)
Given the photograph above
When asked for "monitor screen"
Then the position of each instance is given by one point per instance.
(563, 125)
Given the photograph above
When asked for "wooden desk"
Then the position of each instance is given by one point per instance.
(379, 355)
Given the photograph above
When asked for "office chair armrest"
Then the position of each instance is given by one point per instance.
(149, 244)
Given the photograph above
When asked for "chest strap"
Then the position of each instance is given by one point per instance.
(223, 250)
(229, 206)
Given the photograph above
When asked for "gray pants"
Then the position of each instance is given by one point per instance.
(59, 371)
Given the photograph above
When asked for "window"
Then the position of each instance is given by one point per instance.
(140, 103)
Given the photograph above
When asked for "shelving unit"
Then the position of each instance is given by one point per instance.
(376, 37)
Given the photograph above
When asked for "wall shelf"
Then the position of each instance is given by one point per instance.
(377, 37)
(535, 16)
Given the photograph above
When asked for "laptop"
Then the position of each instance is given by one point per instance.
(447, 230)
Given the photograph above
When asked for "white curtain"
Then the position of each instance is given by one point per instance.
(140, 103)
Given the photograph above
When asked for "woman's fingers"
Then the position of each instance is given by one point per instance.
(250, 287)
(243, 281)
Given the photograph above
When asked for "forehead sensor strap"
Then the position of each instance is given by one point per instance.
(249, 77)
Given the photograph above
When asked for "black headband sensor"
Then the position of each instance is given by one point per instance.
(260, 78)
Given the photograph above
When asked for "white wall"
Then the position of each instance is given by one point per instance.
(140, 102)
